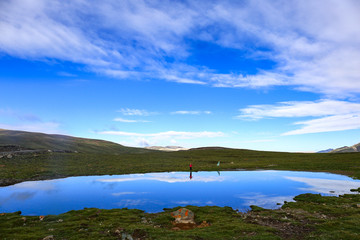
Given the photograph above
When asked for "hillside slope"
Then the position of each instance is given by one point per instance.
(354, 148)
(56, 142)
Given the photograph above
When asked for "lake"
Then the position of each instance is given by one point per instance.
(152, 192)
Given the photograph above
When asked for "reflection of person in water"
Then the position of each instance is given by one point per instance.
(190, 165)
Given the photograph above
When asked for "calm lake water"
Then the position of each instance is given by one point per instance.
(152, 192)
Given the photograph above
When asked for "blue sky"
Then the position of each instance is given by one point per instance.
(264, 75)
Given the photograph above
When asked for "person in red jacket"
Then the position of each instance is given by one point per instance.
(190, 166)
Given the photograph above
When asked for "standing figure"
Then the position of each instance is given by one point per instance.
(190, 166)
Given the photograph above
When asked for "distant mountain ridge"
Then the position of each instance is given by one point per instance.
(354, 148)
(326, 151)
(57, 142)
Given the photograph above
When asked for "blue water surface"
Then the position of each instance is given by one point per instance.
(152, 192)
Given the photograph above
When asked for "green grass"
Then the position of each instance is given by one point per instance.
(95, 223)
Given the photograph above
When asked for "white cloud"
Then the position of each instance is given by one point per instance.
(168, 134)
(324, 107)
(184, 112)
(135, 112)
(328, 124)
(35, 30)
(128, 120)
(259, 141)
(332, 115)
(314, 45)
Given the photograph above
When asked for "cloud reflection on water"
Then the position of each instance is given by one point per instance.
(38, 185)
(154, 191)
(263, 200)
(136, 202)
(163, 177)
(194, 202)
(127, 193)
(320, 185)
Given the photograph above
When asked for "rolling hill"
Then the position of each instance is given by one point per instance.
(56, 142)
(354, 148)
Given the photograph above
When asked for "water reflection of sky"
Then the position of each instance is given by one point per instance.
(152, 192)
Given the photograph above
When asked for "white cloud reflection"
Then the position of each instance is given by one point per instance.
(263, 200)
(37, 185)
(194, 202)
(164, 177)
(320, 185)
(127, 193)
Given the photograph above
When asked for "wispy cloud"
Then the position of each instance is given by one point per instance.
(307, 41)
(328, 124)
(334, 115)
(168, 134)
(128, 120)
(183, 112)
(66, 74)
(135, 112)
(323, 107)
